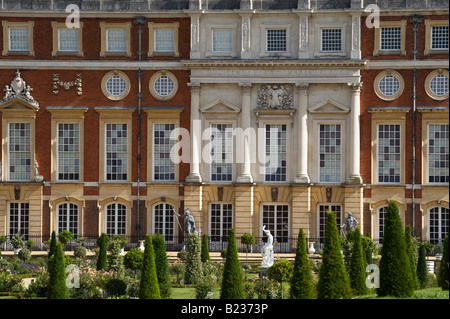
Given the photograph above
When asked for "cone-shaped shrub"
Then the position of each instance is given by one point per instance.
(194, 272)
(102, 242)
(395, 268)
(357, 267)
(162, 266)
(302, 286)
(52, 245)
(233, 280)
(205, 249)
(443, 271)
(148, 286)
(57, 288)
(412, 259)
(333, 279)
(422, 272)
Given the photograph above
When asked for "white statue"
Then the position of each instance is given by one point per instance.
(267, 250)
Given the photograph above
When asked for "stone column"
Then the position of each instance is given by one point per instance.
(356, 36)
(246, 175)
(303, 44)
(355, 176)
(302, 117)
(195, 35)
(196, 135)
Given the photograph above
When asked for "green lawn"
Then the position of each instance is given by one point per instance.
(429, 293)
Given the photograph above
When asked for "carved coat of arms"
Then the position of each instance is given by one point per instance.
(275, 96)
(18, 89)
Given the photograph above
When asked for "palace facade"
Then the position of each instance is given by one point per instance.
(277, 111)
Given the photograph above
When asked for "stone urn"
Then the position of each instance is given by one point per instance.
(311, 249)
(141, 245)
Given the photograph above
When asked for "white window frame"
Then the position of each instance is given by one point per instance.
(328, 205)
(378, 232)
(428, 155)
(318, 52)
(210, 53)
(31, 153)
(7, 25)
(169, 122)
(222, 230)
(128, 164)
(440, 222)
(400, 155)
(274, 232)
(284, 54)
(429, 24)
(27, 233)
(232, 154)
(165, 228)
(67, 210)
(116, 209)
(58, 152)
(316, 147)
(286, 152)
(152, 26)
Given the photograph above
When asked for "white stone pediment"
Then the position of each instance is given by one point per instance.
(220, 107)
(329, 106)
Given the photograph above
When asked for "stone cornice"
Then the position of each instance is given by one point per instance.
(271, 64)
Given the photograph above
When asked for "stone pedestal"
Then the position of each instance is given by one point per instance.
(263, 272)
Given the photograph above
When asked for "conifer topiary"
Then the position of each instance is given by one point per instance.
(233, 280)
(162, 266)
(102, 242)
(357, 267)
(52, 244)
(412, 259)
(443, 271)
(205, 249)
(333, 279)
(148, 286)
(302, 286)
(422, 272)
(57, 288)
(194, 272)
(395, 268)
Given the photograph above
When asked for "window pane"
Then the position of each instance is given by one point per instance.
(164, 221)
(331, 40)
(438, 153)
(19, 215)
(439, 37)
(116, 85)
(438, 224)
(164, 40)
(330, 153)
(221, 152)
(439, 85)
(164, 86)
(390, 38)
(389, 153)
(116, 40)
(221, 219)
(276, 40)
(381, 215)
(68, 151)
(163, 166)
(19, 151)
(116, 219)
(19, 39)
(389, 85)
(116, 152)
(276, 153)
(336, 209)
(222, 40)
(68, 218)
(68, 39)
(276, 219)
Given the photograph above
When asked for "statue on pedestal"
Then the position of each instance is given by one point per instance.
(189, 223)
(267, 250)
(350, 224)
